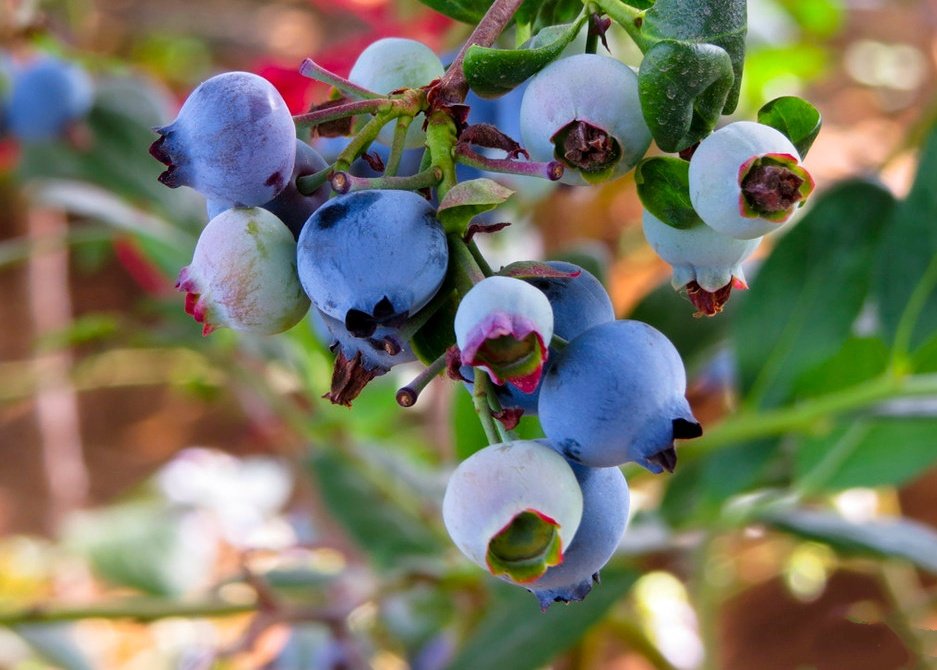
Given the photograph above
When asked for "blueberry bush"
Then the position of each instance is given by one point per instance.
(475, 454)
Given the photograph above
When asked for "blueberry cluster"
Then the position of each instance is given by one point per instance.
(388, 263)
(42, 96)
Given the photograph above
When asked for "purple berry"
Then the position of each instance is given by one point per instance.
(372, 258)
(243, 274)
(290, 206)
(746, 180)
(616, 394)
(706, 263)
(233, 141)
(513, 509)
(605, 503)
(46, 96)
(584, 111)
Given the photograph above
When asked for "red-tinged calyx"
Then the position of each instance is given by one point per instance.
(710, 303)
(195, 304)
(509, 348)
(525, 548)
(773, 186)
(587, 148)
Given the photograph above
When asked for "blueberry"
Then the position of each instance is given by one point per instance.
(243, 274)
(290, 206)
(391, 64)
(706, 263)
(384, 349)
(504, 325)
(233, 141)
(584, 111)
(372, 258)
(578, 303)
(616, 394)
(746, 180)
(605, 503)
(46, 96)
(513, 509)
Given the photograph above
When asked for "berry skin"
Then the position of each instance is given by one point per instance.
(243, 274)
(372, 258)
(46, 96)
(705, 262)
(605, 503)
(290, 206)
(513, 508)
(746, 180)
(584, 111)
(504, 325)
(391, 64)
(616, 394)
(233, 141)
(578, 303)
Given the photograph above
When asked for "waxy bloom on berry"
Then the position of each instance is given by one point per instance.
(505, 325)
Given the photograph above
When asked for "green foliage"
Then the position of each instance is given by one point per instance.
(664, 188)
(493, 72)
(796, 118)
(468, 199)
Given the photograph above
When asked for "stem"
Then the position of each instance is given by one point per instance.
(309, 68)
(750, 424)
(310, 183)
(495, 406)
(814, 480)
(370, 106)
(420, 319)
(361, 141)
(479, 259)
(344, 182)
(136, 609)
(592, 37)
(397, 147)
(558, 342)
(440, 138)
(408, 395)
(463, 264)
(628, 17)
(480, 400)
(468, 156)
(453, 87)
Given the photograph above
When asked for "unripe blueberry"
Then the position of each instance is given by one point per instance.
(706, 263)
(605, 503)
(616, 394)
(372, 258)
(395, 63)
(746, 180)
(513, 508)
(578, 303)
(46, 95)
(233, 141)
(505, 325)
(290, 206)
(243, 274)
(584, 111)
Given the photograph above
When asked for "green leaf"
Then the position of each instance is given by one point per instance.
(377, 523)
(907, 257)
(795, 117)
(683, 89)
(719, 22)
(899, 538)
(858, 360)
(493, 72)
(664, 188)
(468, 199)
(887, 451)
(467, 11)
(515, 634)
(807, 295)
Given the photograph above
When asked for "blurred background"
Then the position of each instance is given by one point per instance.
(174, 501)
